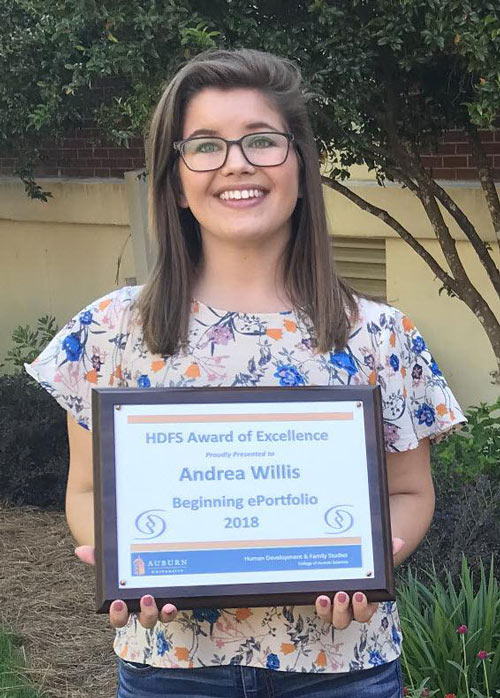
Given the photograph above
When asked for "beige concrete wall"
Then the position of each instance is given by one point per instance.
(57, 256)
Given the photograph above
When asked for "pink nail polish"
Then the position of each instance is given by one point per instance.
(341, 598)
(118, 606)
(147, 600)
(323, 602)
(358, 597)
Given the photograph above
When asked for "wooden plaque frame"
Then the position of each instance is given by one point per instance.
(379, 587)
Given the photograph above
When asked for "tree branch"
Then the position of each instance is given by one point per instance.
(448, 281)
(485, 178)
(465, 224)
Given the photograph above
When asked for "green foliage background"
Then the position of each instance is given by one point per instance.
(434, 62)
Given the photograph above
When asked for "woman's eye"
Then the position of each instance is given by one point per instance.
(261, 142)
(207, 147)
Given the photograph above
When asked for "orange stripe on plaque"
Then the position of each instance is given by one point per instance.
(219, 544)
(206, 418)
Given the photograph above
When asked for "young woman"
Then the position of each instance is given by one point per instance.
(243, 293)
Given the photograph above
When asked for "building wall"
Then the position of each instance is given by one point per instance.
(56, 257)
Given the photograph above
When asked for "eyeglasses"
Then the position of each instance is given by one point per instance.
(206, 153)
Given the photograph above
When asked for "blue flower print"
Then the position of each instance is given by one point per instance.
(208, 614)
(273, 661)
(375, 658)
(396, 638)
(426, 415)
(344, 360)
(143, 381)
(289, 375)
(394, 361)
(418, 344)
(72, 346)
(435, 368)
(162, 644)
(86, 317)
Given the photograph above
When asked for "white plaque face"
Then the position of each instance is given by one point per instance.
(241, 493)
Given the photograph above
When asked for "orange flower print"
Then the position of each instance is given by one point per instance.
(452, 415)
(196, 307)
(182, 654)
(372, 378)
(192, 371)
(321, 659)
(403, 371)
(124, 651)
(91, 376)
(392, 339)
(243, 613)
(157, 365)
(274, 333)
(118, 372)
(407, 324)
(290, 326)
(104, 304)
(287, 648)
(441, 409)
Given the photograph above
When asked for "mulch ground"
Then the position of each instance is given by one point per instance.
(47, 600)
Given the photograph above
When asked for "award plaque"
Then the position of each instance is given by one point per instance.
(236, 497)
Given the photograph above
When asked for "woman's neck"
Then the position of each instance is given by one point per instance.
(245, 279)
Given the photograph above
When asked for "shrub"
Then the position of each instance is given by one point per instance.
(467, 481)
(474, 450)
(29, 342)
(33, 444)
(446, 625)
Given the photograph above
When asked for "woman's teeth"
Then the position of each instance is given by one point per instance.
(241, 194)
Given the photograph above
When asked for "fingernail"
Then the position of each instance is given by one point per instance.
(358, 597)
(169, 609)
(148, 600)
(323, 602)
(341, 598)
(118, 606)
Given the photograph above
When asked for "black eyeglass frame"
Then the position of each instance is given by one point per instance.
(179, 147)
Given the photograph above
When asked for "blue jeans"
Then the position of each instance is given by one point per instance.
(143, 681)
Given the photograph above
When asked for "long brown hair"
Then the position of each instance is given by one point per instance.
(314, 288)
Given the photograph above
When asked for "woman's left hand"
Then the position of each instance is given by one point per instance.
(343, 610)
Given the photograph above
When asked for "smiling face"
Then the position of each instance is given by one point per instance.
(239, 203)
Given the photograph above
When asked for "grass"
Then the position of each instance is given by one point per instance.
(13, 681)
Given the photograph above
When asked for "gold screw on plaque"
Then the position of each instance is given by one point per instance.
(123, 583)
(118, 407)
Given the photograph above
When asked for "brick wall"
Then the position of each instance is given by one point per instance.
(453, 159)
(86, 154)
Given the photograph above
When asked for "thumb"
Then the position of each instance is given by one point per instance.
(86, 553)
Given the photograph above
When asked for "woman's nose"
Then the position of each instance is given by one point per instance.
(236, 161)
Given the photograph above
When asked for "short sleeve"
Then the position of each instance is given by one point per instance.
(86, 353)
(417, 401)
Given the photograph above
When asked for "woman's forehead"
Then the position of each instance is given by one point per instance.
(222, 112)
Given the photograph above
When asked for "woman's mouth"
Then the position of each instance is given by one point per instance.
(241, 198)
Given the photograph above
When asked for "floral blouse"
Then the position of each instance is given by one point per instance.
(103, 346)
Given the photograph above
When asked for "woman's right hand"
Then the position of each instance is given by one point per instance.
(118, 612)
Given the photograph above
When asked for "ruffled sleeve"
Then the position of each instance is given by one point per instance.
(417, 401)
(86, 353)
